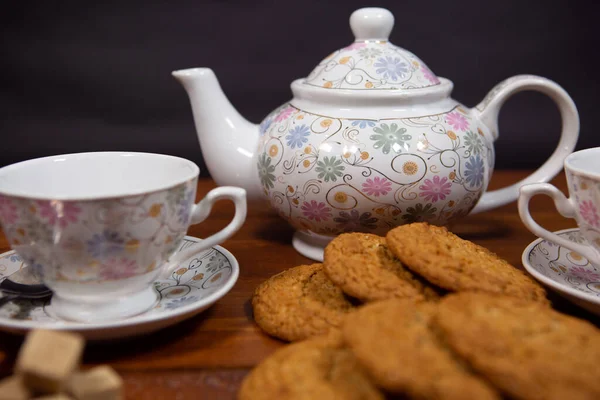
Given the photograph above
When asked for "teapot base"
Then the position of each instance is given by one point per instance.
(311, 246)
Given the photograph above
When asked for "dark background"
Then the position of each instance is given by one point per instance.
(78, 76)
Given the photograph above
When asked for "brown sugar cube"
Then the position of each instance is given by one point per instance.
(48, 358)
(13, 388)
(59, 396)
(99, 383)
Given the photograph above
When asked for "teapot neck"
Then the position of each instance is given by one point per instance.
(373, 104)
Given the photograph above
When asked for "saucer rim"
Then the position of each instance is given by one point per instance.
(549, 281)
(140, 319)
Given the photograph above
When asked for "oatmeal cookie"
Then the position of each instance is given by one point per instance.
(526, 349)
(363, 267)
(299, 303)
(317, 368)
(455, 264)
(395, 342)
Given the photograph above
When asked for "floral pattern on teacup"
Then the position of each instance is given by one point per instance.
(589, 213)
(372, 65)
(95, 241)
(330, 175)
(565, 266)
(586, 193)
(8, 210)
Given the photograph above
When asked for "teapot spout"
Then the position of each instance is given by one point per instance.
(227, 140)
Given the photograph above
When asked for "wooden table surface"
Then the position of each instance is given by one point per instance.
(208, 355)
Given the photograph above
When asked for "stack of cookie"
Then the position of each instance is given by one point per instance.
(421, 314)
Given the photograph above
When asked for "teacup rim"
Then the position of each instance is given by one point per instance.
(195, 172)
(573, 169)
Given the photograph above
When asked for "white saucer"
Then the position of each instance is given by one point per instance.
(565, 271)
(202, 280)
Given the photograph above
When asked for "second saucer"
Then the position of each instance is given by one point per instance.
(565, 271)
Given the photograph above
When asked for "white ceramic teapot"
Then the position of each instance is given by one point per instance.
(371, 140)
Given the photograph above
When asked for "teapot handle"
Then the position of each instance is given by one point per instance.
(487, 111)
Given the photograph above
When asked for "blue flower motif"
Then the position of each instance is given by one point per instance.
(15, 258)
(474, 171)
(265, 125)
(184, 301)
(363, 123)
(298, 136)
(391, 68)
(106, 243)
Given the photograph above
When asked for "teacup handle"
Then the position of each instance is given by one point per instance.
(488, 111)
(200, 212)
(566, 208)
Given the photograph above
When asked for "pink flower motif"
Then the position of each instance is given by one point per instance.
(284, 114)
(589, 213)
(115, 268)
(457, 121)
(430, 76)
(436, 189)
(316, 211)
(377, 186)
(58, 211)
(585, 274)
(356, 46)
(8, 211)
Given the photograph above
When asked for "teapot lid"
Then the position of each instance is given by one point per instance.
(372, 62)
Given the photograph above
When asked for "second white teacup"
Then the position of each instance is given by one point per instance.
(583, 177)
(101, 227)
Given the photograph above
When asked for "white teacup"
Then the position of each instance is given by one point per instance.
(583, 176)
(100, 227)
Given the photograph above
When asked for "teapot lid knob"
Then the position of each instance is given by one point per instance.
(371, 23)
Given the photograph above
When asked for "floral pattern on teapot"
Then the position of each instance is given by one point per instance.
(106, 240)
(372, 175)
(372, 65)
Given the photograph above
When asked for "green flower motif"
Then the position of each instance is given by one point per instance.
(473, 143)
(390, 137)
(329, 169)
(369, 52)
(265, 171)
(419, 213)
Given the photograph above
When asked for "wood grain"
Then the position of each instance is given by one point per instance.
(208, 355)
